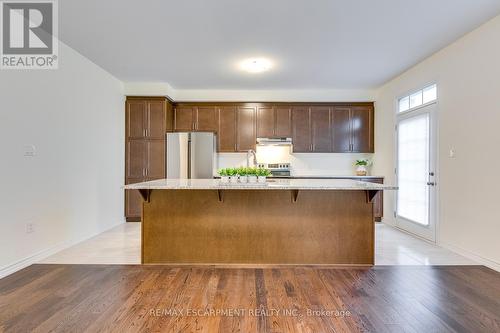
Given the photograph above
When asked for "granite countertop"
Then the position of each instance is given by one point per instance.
(331, 176)
(271, 184)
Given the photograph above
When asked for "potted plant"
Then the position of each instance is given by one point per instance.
(242, 172)
(361, 165)
(262, 174)
(224, 177)
(252, 175)
(233, 175)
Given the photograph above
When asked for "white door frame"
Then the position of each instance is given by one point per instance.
(428, 233)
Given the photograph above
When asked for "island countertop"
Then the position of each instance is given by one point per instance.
(271, 184)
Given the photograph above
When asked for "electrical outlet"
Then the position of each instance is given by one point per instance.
(29, 150)
(30, 227)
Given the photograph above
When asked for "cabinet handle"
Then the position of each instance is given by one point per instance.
(147, 171)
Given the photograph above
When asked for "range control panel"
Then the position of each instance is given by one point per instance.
(277, 169)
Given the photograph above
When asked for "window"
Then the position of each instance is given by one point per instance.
(418, 98)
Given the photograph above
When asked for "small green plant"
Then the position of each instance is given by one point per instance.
(222, 172)
(241, 171)
(261, 172)
(231, 172)
(251, 171)
(364, 162)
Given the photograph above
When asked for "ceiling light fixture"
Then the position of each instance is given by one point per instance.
(256, 65)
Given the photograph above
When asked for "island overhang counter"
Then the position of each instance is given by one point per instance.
(284, 221)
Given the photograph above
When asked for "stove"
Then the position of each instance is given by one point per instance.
(278, 170)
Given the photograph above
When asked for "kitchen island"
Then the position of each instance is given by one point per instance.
(284, 221)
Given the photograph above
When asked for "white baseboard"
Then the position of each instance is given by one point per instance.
(483, 261)
(40, 255)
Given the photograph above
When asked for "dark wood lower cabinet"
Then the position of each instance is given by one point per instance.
(378, 201)
(133, 205)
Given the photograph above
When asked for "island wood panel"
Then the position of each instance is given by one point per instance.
(258, 227)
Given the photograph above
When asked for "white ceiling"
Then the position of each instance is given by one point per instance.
(315, 44)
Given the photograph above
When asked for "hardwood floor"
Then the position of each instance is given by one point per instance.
(133, 298)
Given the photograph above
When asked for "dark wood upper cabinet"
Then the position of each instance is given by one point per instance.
(362, 124)
(283, 125)
(314, 127)
(156, 120)
(341, 129)
(265, 122)
(352, 128)
(184, 118)
(321, 134)
(170, 117)
(246, 135)
(136, 116)
(301, 129)
(226, 135)
(206, 118)
(274, 121)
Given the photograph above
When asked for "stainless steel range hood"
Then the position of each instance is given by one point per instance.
(274, 141)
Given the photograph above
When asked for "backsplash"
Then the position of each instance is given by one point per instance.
(302, 164)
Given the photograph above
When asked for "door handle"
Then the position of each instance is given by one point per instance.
(431, 183)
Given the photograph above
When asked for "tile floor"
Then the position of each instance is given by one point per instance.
(121, 245)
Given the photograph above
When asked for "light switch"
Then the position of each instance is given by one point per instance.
(451, 153)
(29, 150)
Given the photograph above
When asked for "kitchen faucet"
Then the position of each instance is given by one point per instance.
(249, 153)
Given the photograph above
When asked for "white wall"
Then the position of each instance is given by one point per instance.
(468, 77)
(71, 189)
(221, 95)
(317, 164)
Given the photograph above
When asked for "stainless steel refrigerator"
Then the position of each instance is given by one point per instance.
(191, 155)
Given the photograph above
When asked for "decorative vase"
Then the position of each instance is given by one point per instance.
(244, 179)
(233, 179)
(224, 179)
(361, 170)
(261, 179)
(252, 179)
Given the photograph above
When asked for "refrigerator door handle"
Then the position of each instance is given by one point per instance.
(189, 158)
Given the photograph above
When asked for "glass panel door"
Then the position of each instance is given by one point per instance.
(415, 172)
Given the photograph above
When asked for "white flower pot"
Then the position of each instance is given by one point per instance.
(261, 179)
(252, 179)
(233, 179)
(224, 179)
(243, 179)
(361, 170)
